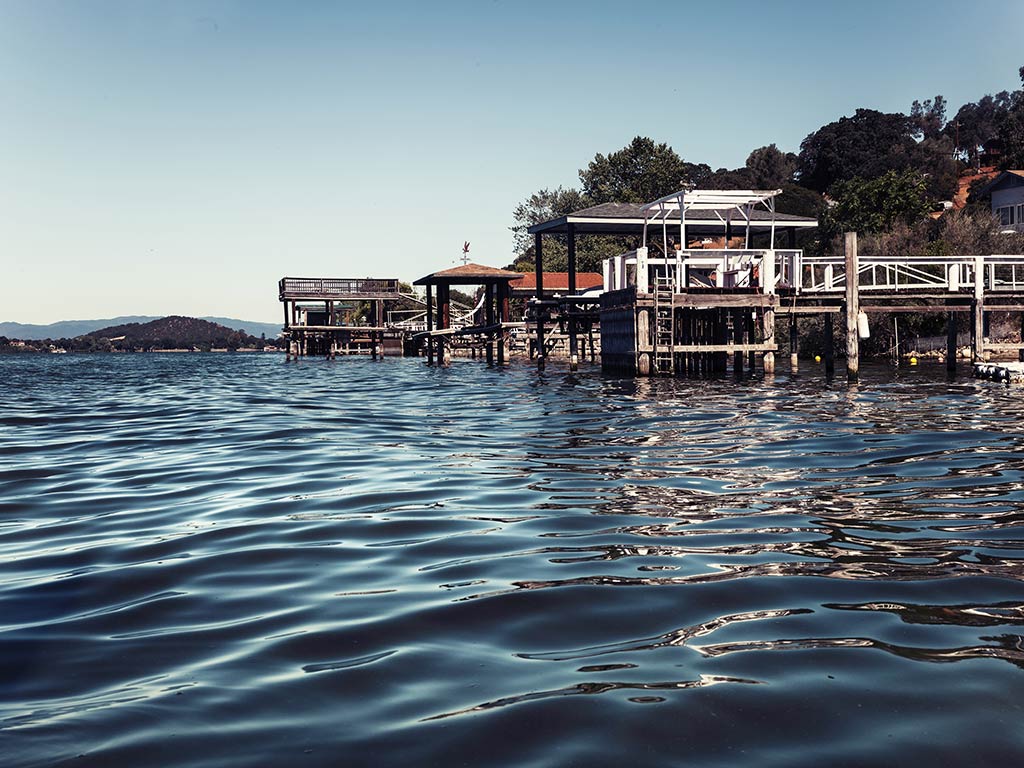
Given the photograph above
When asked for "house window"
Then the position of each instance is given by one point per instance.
(1005, 215)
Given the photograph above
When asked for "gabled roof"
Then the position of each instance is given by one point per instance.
(1006, 178)
(468, 274)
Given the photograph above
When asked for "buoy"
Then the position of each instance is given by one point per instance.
(817, 358)
(862, 325)
(913, 361)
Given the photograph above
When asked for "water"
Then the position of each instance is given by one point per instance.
(215, 560)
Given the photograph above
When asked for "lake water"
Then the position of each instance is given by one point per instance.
(229, 560)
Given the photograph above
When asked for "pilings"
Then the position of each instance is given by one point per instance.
(852, 306)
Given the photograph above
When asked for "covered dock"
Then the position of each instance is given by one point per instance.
(487, 325)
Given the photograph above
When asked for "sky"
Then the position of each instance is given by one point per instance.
(180, 157)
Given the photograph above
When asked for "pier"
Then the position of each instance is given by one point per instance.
(328, 316)
(679, 305)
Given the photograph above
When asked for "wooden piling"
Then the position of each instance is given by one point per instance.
(794, 342)
(852, 306)
(951, 350)
(830, 353)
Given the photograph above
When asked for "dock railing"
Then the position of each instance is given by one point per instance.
(335, 287)
(948, 274)
(705, 268)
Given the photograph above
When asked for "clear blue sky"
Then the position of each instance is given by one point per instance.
(180, 157)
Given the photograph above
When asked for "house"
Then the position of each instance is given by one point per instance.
(1007, 190)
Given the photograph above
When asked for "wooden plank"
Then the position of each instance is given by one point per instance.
(728, 348)
(711, 300)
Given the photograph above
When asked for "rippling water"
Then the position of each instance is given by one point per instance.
(216, 560)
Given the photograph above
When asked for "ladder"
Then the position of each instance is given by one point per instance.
(664, 325)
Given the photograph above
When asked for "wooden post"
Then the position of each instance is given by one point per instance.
(978, 310)
(830, 353)
(748, 321)
(503, 314)
(538, 268)
(489, 320)
(571, 308)
(794, 342)
(852, 306)
(1020, 352)
(286, 324)
(951, 341)
(737, 338)
(444, 351)
(430, 325)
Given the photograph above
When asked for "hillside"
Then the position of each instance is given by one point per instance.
(174, 332)
(66, 329)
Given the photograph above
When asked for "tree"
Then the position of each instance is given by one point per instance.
(976, 123)
(876, 205)
(770, 167)
(1011, 130)
(541, 206)
(638, 173)
(867, 146)
(928, 119)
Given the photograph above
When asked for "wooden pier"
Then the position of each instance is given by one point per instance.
(669, 308)
(327, 316)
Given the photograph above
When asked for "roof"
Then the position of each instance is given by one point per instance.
(468, 274)
(1016, 177)
(558, 281)
(628, 219)
(713, 199)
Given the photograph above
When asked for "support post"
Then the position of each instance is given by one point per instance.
(489, 320)
(794, 342)
(768, 276)
(430, 325)
(504, 315)
(852, 306)
(830, 352)
(571, 308)
(978, 311)
(951, 341)
(538, 255)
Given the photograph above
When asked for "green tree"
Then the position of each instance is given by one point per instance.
(876, 205)
(770, 167)
(1011, 130)
(867, 146)
(638, 173)
(928, 119)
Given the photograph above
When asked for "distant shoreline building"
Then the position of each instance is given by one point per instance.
(1007, 190)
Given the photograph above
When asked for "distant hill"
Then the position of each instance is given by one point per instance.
(67, 329)
(172, 332)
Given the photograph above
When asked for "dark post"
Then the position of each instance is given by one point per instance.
(538, 254)
(430, 325)
(444, 350)
(794, 341)
(830, 353)
(951, 341)
(503, 314)
(1020, 353)
(571, 308)
(489, 320)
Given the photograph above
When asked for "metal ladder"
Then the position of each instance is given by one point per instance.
(664, 325)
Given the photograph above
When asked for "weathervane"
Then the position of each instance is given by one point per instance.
(465, 253)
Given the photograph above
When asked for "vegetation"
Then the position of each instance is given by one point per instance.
(174, 332)
(873, 172)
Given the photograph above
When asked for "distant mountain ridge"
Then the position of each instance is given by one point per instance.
(68, 329)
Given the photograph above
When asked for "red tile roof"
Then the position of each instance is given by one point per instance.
(559, 281)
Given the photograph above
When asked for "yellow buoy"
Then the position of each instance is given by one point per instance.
(817, 358)
(913, 361)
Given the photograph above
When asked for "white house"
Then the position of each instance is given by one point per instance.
(1007, 190)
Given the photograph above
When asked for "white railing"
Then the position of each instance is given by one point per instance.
(704, 268)
(949, 274)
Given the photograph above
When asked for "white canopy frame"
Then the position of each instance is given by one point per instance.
(719, 201)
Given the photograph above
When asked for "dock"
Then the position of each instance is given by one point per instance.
(702, 291)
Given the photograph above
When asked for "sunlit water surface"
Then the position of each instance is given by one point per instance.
(217, 560)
